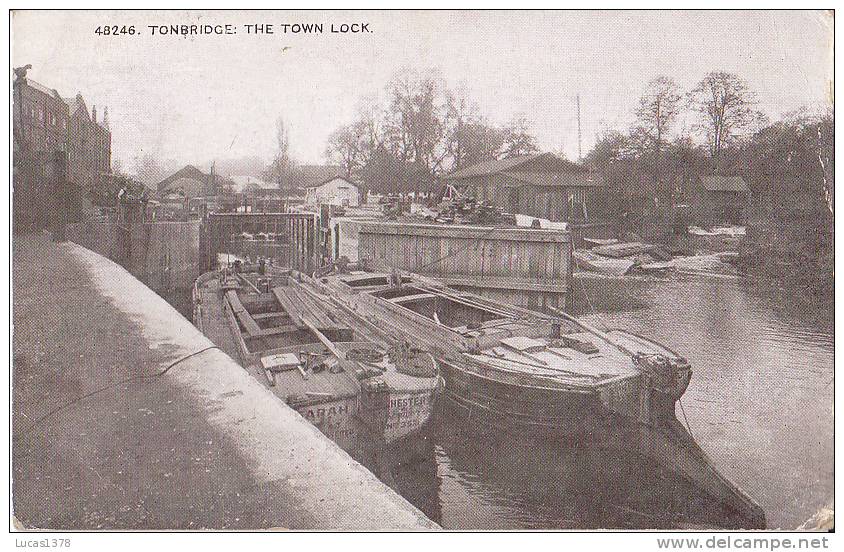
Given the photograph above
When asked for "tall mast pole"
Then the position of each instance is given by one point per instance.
(579, 139)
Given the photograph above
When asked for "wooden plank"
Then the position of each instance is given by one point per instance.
(293, 309)
(242, 314)
(465, 232)
(279, 330)
(269, 315)
(411, 298)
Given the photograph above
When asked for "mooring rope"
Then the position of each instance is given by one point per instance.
(683, 410)
(68, 404)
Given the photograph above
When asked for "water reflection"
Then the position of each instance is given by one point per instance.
(760, 402)
(503, 482)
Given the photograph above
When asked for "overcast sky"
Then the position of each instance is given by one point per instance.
(196, 99)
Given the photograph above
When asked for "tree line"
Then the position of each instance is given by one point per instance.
(652, 163)
(421, 130)
(789, 166)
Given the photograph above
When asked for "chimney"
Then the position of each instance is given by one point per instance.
(94, 113)
(105, 118)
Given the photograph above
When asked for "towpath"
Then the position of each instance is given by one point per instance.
(105, 436)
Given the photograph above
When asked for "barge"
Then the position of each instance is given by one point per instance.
(548, 376)
(338, 372)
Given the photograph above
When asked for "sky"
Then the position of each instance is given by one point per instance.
(191, 100)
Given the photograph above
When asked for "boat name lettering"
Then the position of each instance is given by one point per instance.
(331, 411)
(410, 401)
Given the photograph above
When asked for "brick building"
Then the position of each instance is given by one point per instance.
(49, 127)
(88, 145)
(40, 118)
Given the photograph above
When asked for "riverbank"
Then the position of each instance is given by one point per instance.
(798, 253)
(126, 417)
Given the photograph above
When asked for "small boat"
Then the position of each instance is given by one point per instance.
(336, 371)
(625, 249)
(656, 268)
(587, 261)
(549, 376)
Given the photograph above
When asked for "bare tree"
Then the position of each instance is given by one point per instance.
(469, 139)
(423, 129)
(657, 111)
(342, 148)
(726, 107)
(352, 146)
(517, 139)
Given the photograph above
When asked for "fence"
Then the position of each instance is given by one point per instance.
(526, 267)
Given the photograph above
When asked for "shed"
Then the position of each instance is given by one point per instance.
(722, 199)
(540, 185)
(337, 190)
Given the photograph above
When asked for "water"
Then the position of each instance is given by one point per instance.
(761, 398)
(760, 403)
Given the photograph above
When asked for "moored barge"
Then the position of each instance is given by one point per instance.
(317, 358)
(549, 376)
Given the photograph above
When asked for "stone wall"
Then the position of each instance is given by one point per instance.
(163, 255)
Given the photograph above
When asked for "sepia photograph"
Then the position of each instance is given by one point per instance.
(423, 270)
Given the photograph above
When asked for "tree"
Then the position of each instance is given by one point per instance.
(611, 148)
(282, 169)
(657, 111)
(421, 130)
(726, 108)
(343, 148)
(478, 142)
(469, 139)
(415, 125)
(517, 139)
(384, 172)
(351, 146)
(790, 165)
(148, 170)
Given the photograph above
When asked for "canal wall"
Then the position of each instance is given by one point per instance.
(163, 255)
(147, 425)
(523, 266)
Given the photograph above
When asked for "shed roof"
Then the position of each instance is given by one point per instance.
(332, 179)
(538, 169)
(724, 184)
(492, 167)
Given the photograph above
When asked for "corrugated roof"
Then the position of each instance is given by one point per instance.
(566, 180)
(492, 167)
(724, 184)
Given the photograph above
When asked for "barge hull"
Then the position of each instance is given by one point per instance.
(667, 444)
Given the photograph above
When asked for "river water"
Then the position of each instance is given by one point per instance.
(760, 404)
